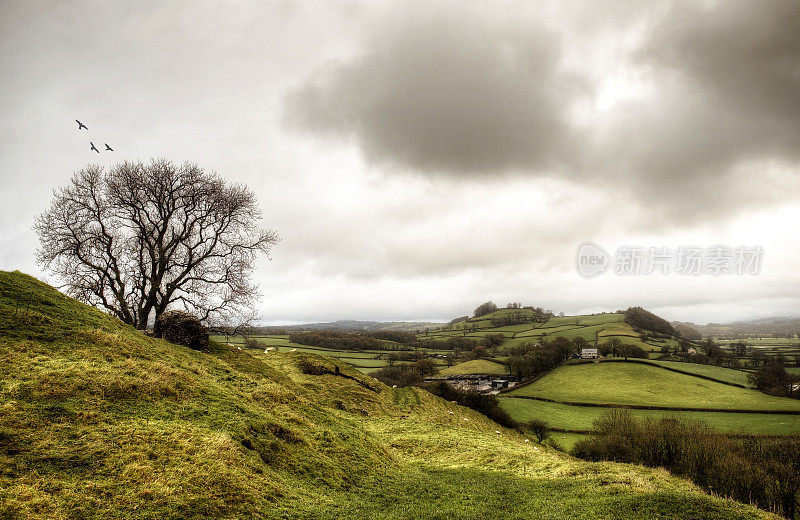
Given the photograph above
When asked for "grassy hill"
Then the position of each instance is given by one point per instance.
(593, 328)
(98, 421)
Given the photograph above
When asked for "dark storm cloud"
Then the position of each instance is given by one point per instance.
(745, 54)
(727, 100)
(445, 90)
(469, 92)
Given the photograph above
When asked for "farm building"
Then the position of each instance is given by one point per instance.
(691, 350)
(589, 353)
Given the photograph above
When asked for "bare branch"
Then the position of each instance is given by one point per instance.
(142, 237)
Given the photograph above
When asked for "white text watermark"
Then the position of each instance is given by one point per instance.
(717, 260)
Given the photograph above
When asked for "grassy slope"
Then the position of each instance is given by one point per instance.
(476, 366)
(99, 421)
(624, 383)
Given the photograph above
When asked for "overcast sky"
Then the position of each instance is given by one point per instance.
(419, 158)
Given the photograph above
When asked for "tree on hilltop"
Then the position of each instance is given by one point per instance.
(484, 309)
(141, 238)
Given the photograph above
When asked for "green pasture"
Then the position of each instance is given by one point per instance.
(476, 366)
(570, 417)
(728, 375)
(638, 384)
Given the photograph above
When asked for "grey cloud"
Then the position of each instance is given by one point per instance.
(465, 92)
(445, 91)
(747, 54)
(727, 101)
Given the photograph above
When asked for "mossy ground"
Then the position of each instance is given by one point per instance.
(99, 421)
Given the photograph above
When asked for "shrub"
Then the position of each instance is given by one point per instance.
(182, 328)
(399, 375)
(488, 405)
(632, 351)
(538, 429)
(253, 343)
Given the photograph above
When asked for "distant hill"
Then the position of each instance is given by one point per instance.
(364, 326)
(771, 326)
(688, 331)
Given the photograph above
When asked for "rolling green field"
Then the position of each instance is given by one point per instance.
(721, 373)
(569, 417)
(591, 327)
(476, 366)
(628, 383)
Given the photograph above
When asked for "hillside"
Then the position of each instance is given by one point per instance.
(100, 421)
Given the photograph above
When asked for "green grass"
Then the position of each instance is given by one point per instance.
(98, 421)
(721, 373)
(569, 417)
(629, 383)
(476, 366)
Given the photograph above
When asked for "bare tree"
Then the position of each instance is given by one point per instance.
(141, 238)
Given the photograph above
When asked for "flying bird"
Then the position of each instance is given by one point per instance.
(93, 148)
(81, 126)
(108, 148)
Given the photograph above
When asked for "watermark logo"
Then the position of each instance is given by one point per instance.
(718, 260)
(593, 260)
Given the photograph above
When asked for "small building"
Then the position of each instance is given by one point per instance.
(589, 353)
(691, 350)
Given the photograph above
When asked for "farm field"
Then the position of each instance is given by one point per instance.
(363, 360)
(637, 384)
(723, 374)
(476, 366)
(570, 417)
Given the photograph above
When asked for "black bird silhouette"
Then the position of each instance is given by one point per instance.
(81, 125)
(108, 148)
(93, 148)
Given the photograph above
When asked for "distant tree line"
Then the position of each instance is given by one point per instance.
(764, 471)
(334, 339)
